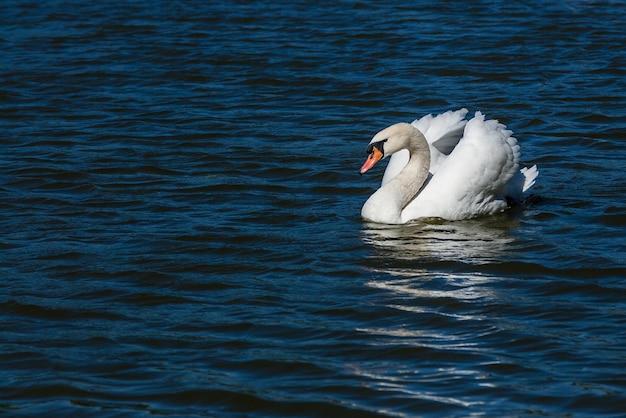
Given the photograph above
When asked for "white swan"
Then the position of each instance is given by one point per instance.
(445, 167)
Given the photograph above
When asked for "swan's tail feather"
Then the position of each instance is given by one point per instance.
(530, 175)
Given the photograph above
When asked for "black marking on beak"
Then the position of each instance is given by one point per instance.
(378, 145)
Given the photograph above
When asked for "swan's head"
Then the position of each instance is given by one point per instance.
(386, 142)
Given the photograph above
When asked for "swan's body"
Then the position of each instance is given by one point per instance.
(445, 167)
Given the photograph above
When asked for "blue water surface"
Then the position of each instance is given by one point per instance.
(180, 228)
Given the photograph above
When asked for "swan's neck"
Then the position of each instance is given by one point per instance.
(411, 179)
(386, 205)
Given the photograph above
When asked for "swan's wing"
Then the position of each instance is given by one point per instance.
(473, 178)
(442, 133)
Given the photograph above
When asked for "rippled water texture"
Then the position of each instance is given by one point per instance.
(179, 213)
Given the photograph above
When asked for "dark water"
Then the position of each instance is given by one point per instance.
(179, 213)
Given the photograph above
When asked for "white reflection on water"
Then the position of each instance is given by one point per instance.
(415, 254)
(429, 268)
(432, 281)
(476, 241)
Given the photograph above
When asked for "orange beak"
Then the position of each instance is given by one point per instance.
(372, 159)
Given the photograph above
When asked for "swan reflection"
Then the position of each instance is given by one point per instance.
(476, 241)
(437, 298)
(441, 253)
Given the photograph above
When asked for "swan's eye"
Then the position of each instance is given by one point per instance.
(378, 145)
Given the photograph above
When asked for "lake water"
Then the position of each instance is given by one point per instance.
(180, 211)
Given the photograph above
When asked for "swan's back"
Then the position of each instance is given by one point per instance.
(474, 179)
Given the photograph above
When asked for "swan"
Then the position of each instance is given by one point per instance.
(445, 167)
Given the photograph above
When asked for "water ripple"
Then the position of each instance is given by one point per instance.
(180, 211)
